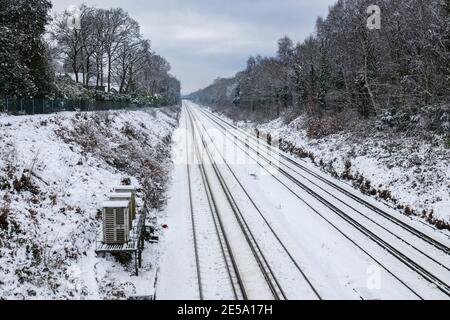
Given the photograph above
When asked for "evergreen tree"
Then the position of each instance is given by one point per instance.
(237, 95)
(24, 68)
(285, 50)
(324, 77)
(300, 86)
(446, 38)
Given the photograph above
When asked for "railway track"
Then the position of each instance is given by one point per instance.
(194, 232)
(244, 224)
(267, 272)
(383, 214)
(380, 224)
(407, 227)
(438, 282)
(236, 284)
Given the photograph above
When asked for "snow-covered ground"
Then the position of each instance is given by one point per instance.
(318, 244)
(409, 173)
(177, 276)
(55, 171)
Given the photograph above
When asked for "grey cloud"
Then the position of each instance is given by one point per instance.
(206, 39)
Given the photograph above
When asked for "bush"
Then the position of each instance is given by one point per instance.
(123, 258)
(4, 184)
(321, 127)
(126, 182)
(24, 184)
(36, 251)
(4, 212)
(408, 211)
(128, 131)
(346, 174)
(434, 118)
(68, 89)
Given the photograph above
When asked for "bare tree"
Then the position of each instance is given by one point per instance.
(118, 27)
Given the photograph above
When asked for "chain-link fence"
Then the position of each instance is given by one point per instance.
(19, 106)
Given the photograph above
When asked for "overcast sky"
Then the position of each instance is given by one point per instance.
(206, 39)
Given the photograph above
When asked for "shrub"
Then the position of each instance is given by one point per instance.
(4, 184)
(126, 182)
(128, 131)
(4, 212)
(347, 175)
(123, 258)
(53, 199)
(36, 251)
(321, 127)
(24, 184)
(385, 195)
(408, 211)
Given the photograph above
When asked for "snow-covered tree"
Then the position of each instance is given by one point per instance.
(24, 60)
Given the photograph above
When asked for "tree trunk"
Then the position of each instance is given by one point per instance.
(130, 79)
(347, 89)
(83, 75)
(122, 84)
(97, 71)
(109, 72)
(102, 80)
(83, 67)
(367, 85)
(75, 71)
(124, 75)
(88, 70)
(366, 80)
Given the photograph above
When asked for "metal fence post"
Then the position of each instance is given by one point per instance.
(7, 108)
(32, 102)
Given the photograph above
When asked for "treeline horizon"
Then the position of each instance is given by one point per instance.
(103, 50)
(346, 66)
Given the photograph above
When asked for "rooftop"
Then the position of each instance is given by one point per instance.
(115, 204)
(124, 195)
(130, 188)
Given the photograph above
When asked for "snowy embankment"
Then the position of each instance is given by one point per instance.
(55, 171)
(408, 173)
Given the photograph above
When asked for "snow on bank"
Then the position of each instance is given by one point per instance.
(410, 173)
(55, 171)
